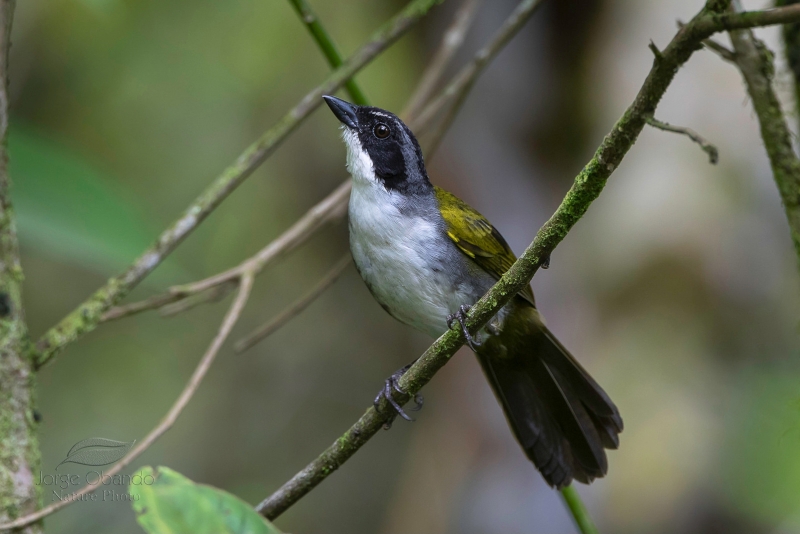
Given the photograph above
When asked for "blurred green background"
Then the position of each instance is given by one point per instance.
(678, 290)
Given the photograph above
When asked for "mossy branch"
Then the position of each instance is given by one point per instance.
(203, 366)
(333, 207)
(755, 61)
(87, 316)
(587, 186)
(791, 42)
(19, 448)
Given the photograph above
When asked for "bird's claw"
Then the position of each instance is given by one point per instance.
(392, 384)
(461, 317)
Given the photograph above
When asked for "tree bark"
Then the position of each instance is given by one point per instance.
(19, 447)
(757, 66)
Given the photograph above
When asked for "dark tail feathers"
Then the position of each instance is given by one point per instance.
(562, 418)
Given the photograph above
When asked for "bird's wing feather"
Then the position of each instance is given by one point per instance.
(477, 238)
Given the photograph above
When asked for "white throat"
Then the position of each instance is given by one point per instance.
(397, 253)
(359, 164)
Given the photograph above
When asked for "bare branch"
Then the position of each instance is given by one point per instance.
(234, 312)
(332, 208)
(457, 90)
(329, 210)
(86, 317)
(452, 40)
(156, 301)
(296, 308)
(215, 294)
(586, 187)
(708, 148)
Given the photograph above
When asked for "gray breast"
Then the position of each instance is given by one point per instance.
(409, 264)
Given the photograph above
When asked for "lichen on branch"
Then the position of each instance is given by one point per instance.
(585, 189)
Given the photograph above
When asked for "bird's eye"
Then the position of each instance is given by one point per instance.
(381, 131)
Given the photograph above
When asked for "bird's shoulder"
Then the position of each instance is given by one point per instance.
(475, 236)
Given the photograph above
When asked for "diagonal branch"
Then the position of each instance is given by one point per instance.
(452, 40)
(755, 62)
(87, 316)
(454, 95)
(296, 308)
(328, 47)
(234, 312)
(721, 50)
(333, 207)
(587, 186)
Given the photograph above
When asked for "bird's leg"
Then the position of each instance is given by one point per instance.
(461, 317)
(392, 384)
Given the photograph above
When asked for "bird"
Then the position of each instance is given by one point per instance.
(427, 256)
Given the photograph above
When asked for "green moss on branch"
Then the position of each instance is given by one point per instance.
(19, 448)
(586, 187)
(87, 316)
(756, 63)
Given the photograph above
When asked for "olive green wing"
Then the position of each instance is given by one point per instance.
(477, 238)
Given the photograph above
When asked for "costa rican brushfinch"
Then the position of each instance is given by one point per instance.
(426, 256)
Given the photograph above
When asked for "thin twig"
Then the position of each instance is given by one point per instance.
(457, 90)
(215, 294)
(86, 317)
(151, 303)
(585, 189)
(234, 312)
(451, 42)
(708, 148)
(718, 48)
(328, 47)
(721, 50)
(331, 209)
(296, 308)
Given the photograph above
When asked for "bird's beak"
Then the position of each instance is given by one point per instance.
(344, 111)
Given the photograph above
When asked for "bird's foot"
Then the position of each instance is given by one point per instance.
(387, 391)
(461, 317)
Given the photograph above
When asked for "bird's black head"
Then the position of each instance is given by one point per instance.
(381, 149)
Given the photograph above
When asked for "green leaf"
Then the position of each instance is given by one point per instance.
(167, 502)
(97, 451)
(68, 211)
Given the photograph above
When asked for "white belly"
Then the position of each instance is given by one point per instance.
(401, 258)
